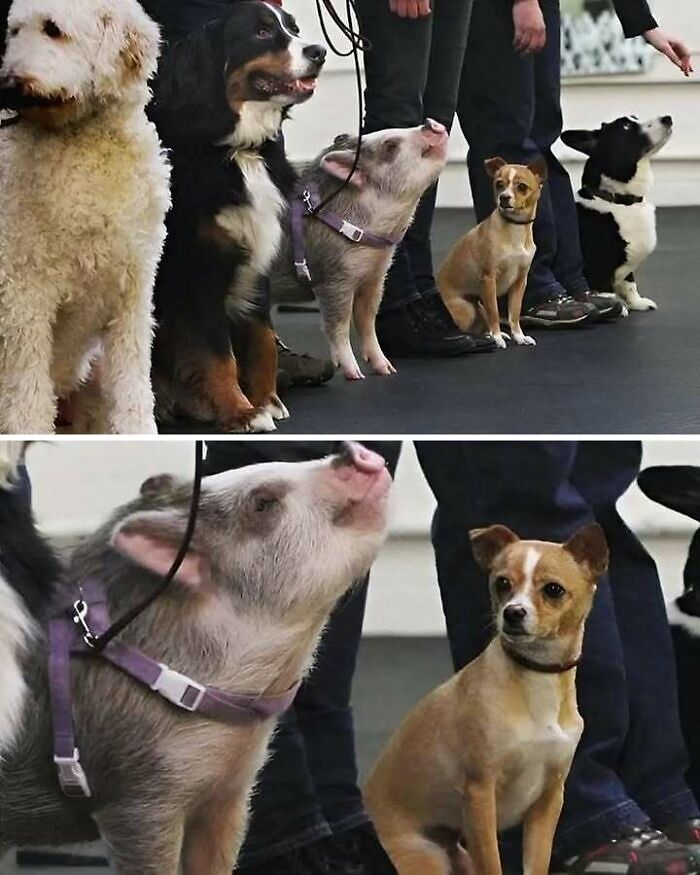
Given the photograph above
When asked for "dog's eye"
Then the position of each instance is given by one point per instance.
(522, 188)
(553, 590)
(52, 30)
(264, 33)
(502, 585)
(500, 184)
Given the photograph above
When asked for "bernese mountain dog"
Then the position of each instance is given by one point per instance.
(221, 96)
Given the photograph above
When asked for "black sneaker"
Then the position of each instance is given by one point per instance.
(309, 860)
(561, 311)
(608, 305)
(358, 851)
(686, 832)
(425, 327)
(636, 851)
(301, 369)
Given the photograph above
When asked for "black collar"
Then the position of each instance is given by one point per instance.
(542, 668)
(612, 197)
(513, 221)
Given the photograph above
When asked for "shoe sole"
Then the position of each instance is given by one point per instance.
(534, 322)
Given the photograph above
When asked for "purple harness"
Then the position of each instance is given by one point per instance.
(305, 205)
(67, 639)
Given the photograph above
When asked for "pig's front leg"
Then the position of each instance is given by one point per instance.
(213, 837)
(365, 307)
(142, 838)
(335, 301)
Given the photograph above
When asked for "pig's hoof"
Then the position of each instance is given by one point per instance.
(276, 408)
(353, 374)
(385, 368)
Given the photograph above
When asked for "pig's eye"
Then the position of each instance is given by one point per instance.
(391, 148)
(522, 188)
(52, 30)
(502, 585)
(264, 503)
(13, 31)
(553, 591)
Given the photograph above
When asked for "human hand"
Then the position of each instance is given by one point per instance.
(410, 8)
(673, 48)
(530, 31)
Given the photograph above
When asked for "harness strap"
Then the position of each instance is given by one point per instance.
(304, 205)
(66, 640)
(611, 196)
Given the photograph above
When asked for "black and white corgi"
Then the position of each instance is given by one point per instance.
(678, 487)
(28, 571)
(617, 222)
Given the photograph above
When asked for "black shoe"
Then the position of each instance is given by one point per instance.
(425, 327)
(30, 859)
(562, 311)
(636, 851)
(686, 832)
(608, 305)
(300, 369)
(310, 860)
(358, 851)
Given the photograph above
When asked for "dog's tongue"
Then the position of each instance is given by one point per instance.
(305, 85)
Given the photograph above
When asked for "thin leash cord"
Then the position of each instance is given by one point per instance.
(99, 643)
(358, 43)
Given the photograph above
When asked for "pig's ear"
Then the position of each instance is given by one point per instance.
(339, 164)
(488, 543)
(152, 540)
(493, 165)
(589, 547)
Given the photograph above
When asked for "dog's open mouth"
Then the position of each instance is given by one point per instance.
(14, 98)
(271, 86)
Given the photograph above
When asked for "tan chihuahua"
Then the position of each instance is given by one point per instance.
(494, 258)
(491, 747)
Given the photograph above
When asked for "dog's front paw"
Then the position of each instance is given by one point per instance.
(275, 407)
(524, 339)
(253, 421)
(642, 304)
(500, 339)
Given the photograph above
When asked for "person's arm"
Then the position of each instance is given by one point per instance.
(637, 20)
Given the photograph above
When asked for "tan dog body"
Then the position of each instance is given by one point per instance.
(491, 747)
(494, 258)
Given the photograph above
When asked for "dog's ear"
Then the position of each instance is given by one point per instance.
(539, 168)
(488, 543)
(339, 163)
(582, 141)
(152, 539)
(190, 90)
(589, 548)
(135, 39)
(493, 165)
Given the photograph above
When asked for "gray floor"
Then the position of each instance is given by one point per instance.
(392, 674)
(636, 376)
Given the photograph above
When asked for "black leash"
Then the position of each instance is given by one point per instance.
(358, 43)
(80, 608)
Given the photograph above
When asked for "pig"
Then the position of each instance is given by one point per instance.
(395, 168)
(275, 546)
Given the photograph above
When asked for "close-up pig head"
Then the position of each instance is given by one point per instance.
(276, 536)
(397, 162)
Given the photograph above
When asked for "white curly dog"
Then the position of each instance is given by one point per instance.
(84, 189)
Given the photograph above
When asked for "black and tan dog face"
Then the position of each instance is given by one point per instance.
(540, 590)
(266, 58)
(516, 187)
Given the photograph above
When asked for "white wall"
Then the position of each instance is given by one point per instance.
(587, 102)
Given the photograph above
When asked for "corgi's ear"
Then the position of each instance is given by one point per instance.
(539, 168)
(493, 165)
(488, 543)
(582, 141)
(589, 547)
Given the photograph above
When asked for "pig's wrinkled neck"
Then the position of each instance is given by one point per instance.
(373, 209)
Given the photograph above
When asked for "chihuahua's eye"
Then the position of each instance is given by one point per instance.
(264, 33)
(522, 188)
(264, 503)
(502, 585)
(52, 30)
(500, 184)
(553, 590)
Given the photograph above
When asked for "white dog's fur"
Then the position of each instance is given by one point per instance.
(83, 195)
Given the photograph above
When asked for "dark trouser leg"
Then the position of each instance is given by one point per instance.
(528, 486)
(497, 110)
(653, 759)
(308, 787)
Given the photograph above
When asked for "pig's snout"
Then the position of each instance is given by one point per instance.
(358, 473)
(433, 135)
(364, 460)
(431, 125)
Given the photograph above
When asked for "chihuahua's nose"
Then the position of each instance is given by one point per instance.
(667, 121)
(514, 616)
(315, 53)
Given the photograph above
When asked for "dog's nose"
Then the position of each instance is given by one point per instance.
(504, 200)
(514, 616)
(315, 53)
(667, 120)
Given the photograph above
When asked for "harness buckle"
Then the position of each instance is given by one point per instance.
(302, 269)
(178, 688)
(71, 776)
(80, 613)
(352, 232)
(308, 202)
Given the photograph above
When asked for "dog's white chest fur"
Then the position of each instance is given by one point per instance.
(15, 628)
(540, 743)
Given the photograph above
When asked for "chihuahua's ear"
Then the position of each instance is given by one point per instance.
(539, 168)
(493, 165)
(582, 141)
(589, 548)
(488, 543)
